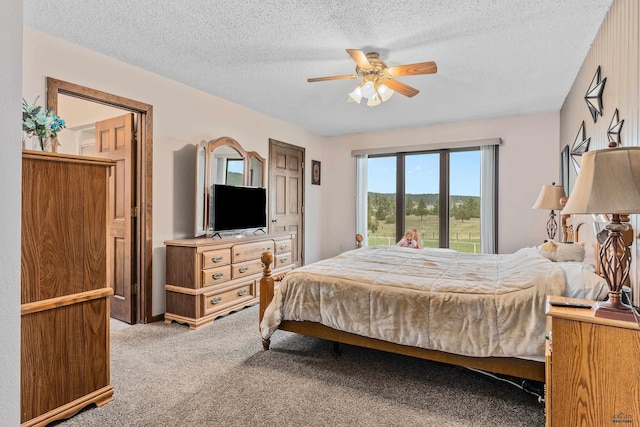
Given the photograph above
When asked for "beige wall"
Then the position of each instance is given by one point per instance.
(10, 194)
(183, 116)
(616, 50)
(528, 160)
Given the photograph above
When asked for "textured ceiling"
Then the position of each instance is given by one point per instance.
(495, 57)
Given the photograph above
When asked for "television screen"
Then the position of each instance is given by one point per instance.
(238, 208)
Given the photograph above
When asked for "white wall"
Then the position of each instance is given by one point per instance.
(10, 194)
(183, 116)
(528, 159)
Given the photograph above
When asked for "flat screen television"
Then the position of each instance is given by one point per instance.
(237, 208)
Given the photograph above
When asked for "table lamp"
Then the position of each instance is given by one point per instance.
(609, 183)
(549, 198)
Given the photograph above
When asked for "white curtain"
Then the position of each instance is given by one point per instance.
(488, 199)
(361, 196)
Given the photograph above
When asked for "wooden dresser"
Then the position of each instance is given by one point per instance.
(592, 369)
(64, 286)
(210, 277)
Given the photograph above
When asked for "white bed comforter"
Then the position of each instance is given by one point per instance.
(467, 304)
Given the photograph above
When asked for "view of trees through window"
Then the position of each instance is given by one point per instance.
(422, 182)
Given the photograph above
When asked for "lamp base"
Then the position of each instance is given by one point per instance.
(609, 310)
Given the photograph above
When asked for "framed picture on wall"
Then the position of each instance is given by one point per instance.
(564, 169)
(315, 172)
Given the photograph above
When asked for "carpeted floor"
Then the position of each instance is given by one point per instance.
(168, 375)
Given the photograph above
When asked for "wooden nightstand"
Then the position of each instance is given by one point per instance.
(592, 369)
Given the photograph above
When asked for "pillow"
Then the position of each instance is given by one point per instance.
(562, 252)
(583, 282)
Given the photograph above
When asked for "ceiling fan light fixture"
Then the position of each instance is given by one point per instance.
(378, 80)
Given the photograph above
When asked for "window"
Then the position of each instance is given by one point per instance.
(422, 198)
(439, 193)
(464, 201)
(381, 204)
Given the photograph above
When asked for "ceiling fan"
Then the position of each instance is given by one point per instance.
(378, 79)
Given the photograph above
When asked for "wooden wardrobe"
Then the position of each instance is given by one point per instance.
(64, 286)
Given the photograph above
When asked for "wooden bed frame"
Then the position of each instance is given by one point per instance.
(521, 368)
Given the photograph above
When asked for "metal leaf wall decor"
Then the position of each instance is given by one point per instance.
(593, 97)
(615, 127)
(579, 147)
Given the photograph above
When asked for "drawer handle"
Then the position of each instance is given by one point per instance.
(242, 292)
(283, 260)
(283, 246)
(243, 269)
(217, 276)
(216, 300)
(216, 259)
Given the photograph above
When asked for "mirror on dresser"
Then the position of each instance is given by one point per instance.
(223, 161)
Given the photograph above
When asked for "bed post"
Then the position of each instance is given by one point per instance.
(266, 290)
(359, 240)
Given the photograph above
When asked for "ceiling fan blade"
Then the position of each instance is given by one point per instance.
(360, 58)
(413, 69)
(400, 87)
(322, 79)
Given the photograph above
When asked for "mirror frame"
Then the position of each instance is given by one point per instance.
(203, 179)
(254, 155)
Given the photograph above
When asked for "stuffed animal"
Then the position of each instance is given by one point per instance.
(410, 240)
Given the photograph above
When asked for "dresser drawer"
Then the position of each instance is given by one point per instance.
(245, 269)
(212, 276)
(250, 251)
(216, 258)
(283, 246)
(282, 260)
(214, 301)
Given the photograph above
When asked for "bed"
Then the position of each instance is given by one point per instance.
(480, 311)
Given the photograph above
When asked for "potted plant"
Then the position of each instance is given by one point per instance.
(41, 123)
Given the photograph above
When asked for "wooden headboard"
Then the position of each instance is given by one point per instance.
(570, 229)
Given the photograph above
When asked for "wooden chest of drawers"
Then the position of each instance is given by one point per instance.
(64, 286)
(207, 278)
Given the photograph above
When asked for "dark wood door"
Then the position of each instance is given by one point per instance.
(115, 141)
(286, 193)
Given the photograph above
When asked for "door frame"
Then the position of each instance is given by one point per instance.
(144, 183)
(300, 233)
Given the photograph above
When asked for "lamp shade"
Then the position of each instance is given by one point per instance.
(549, 197)
(608, 183)
(368, 89)
(385, 92)
(356, 95)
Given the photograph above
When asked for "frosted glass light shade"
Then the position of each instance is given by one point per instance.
(368, 90)
(373, 101)
(356, 95)
(385, 92)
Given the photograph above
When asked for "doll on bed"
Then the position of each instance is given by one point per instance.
(410, 240)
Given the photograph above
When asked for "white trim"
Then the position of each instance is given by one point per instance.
(427, 147)
(362, 175)
(488, 195)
